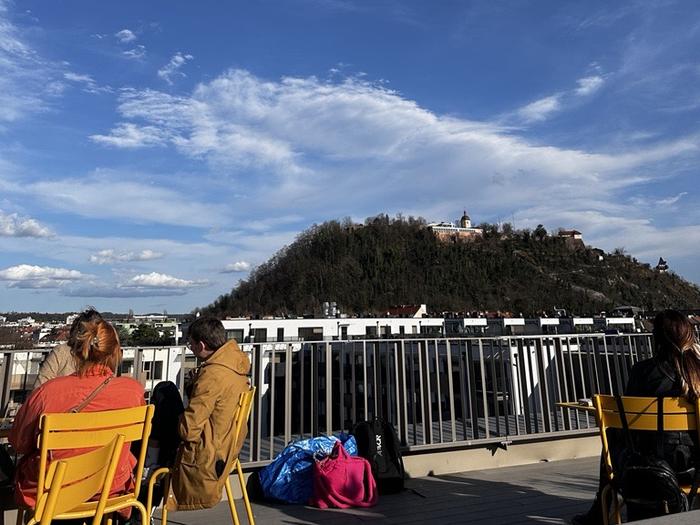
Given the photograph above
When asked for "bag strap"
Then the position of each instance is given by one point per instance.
(86, 401)
(625, 425)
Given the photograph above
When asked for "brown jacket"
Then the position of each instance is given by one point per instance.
(207, 432)
(60, 362)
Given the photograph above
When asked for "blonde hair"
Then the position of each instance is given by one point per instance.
(98, 344)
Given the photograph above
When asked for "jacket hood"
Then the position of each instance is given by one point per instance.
(230, 356)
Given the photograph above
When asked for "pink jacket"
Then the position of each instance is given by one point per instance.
(60, 395)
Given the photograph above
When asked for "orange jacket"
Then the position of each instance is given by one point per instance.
(60, 395)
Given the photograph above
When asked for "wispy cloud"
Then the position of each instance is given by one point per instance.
(236, 267)
(589, 85)
(128, 135)
(97, 194)
(540, 109)
(172, 68)
(125, 35)
(87, 82)
(135, 53)
(29, 276)
(672, 200)
(13, 225)
(544, 108)
(109, 256)
(27, 81)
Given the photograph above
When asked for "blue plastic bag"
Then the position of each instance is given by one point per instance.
(289, 478)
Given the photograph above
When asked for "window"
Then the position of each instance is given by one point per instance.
(237, 335)
(280, 334)
(153, 369)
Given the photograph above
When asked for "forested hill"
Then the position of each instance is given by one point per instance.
(386, 262)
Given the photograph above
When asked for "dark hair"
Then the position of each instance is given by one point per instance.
(674, 342)
(208, 330)
(98, 345)
(89, 315)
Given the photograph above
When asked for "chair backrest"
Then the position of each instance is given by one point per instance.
(75, 480)
(642, 415)
(241, 415)
(93, 429)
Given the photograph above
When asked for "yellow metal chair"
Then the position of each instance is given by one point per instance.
(679, 415)
(94, 429)
(240, 419)
(73, 481)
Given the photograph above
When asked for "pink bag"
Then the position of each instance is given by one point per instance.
(343, 481)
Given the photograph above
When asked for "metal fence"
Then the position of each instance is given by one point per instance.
(439, 393)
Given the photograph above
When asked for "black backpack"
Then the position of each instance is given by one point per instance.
(647, 482)
(378, 443)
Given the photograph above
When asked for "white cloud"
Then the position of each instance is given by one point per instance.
(27, 81)
(540, 109)
(544, 108)
(589, 85)
(99, 194)
(172, 68)
(13, 225)
(88, 83)
(111, 256)
(672, 200)
(29, 276)
(125, 35)
(128, 135)
(352, 147)
(160, 280)
(239, 266)
(135, 53)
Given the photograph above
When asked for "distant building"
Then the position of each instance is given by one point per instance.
(662, 266)
(571, 234)
(447, 231)
(408, 310)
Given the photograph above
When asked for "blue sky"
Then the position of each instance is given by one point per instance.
(152, 153)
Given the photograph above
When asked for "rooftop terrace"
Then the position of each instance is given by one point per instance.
(549, 492)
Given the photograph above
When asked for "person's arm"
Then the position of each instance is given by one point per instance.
(50, 368)
(205, 392)
(25, 427)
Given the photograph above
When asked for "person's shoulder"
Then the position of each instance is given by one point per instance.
(129, 384)
(645, 366)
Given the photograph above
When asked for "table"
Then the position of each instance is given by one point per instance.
(576, 405)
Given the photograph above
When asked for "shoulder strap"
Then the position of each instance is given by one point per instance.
(86, 401)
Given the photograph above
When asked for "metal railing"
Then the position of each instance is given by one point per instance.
(439, 393)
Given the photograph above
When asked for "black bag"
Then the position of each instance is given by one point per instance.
(378, 443)
(647, 482)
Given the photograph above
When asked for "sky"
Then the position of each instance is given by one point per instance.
(153, 153)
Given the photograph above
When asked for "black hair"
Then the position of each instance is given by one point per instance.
(208, 330)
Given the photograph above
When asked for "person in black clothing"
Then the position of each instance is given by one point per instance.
(673, 371)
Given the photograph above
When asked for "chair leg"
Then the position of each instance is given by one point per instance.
(164, 506)
(244, 491)
(20, 516)
(145, 515)
(231, 502)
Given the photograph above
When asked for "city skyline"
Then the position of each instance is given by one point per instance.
(152, 155)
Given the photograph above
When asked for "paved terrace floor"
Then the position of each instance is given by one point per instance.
(548, 493)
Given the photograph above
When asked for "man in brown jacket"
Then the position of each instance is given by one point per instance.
(208, 451)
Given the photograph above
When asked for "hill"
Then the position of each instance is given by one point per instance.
(385, 262)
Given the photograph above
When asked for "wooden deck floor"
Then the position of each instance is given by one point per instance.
(547, 493)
